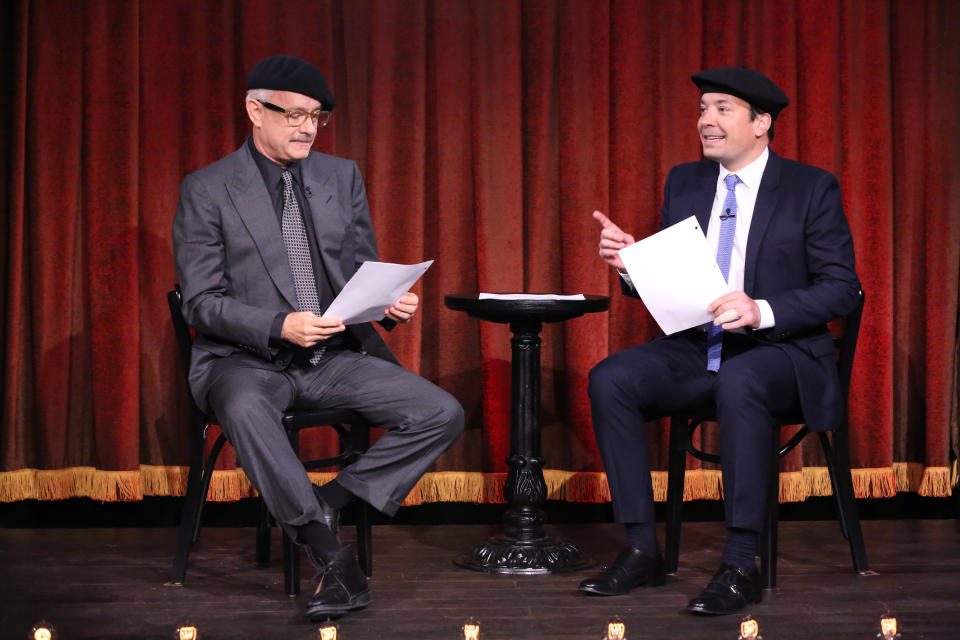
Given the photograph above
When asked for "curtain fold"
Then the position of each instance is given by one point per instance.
(487, 133)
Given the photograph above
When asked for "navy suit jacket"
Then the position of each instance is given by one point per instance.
(799, 259)
(233, 267)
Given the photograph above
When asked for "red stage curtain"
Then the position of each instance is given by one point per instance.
(487, 132)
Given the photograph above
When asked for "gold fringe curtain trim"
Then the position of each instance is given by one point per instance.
(72, 482)
(462, 486)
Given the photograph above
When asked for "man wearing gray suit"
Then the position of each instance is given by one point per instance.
(263, 240)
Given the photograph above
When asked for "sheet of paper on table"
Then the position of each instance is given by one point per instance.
(529, 296)
(676, 275)
(373, 289)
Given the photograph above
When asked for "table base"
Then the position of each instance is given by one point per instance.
(518, 557)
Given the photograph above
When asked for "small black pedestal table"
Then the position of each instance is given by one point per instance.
(525, 549)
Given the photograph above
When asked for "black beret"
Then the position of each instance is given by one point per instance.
(750, 85)
(288, 73)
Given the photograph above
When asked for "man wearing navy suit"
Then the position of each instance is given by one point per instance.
(782, 240)
(263, 240)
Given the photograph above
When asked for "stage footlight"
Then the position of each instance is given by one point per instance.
(888, 628)
(471, 629)
(43, 630)
(616, 630)
(329, 631)
(187, 632)
(749, 629)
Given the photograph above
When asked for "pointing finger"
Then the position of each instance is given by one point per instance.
(604, 220)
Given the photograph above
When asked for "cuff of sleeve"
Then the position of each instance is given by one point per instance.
(276, 331)
(766, 314)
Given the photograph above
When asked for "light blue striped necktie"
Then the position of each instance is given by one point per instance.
(728, 227)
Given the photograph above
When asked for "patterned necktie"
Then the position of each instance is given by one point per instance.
(298, 254)
(728, 227)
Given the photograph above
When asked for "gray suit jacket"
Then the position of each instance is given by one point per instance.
(232, 264)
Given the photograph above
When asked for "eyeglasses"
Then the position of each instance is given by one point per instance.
(296, 117)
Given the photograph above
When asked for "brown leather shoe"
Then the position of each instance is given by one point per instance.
(630, 569)
(730, 590)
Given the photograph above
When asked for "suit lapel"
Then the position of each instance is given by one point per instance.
(767, 197)
(707, 173)
(327, 216)
(252, 202)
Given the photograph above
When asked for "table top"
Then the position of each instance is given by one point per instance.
(495, 310)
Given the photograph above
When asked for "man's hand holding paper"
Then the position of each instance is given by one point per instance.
(404, 309)
(306, 329)
(735, 310)
(677, 277)
(375, 285)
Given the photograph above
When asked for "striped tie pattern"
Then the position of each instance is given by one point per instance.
(728, 227)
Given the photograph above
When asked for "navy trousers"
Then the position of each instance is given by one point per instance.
(755, 382)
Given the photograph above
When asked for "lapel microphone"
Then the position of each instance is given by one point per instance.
(308, 193)
(727, 214)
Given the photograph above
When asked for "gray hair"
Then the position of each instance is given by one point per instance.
(259, 95)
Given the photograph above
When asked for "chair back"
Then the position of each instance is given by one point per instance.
(847, 346)
(181, 330)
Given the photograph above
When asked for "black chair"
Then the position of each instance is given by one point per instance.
(683, 427)
(354, 435)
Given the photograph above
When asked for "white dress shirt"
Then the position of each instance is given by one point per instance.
(746, 191)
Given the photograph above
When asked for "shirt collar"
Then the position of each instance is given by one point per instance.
(272, 172)
(751, 174)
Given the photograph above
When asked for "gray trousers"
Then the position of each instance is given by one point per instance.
(422, 421)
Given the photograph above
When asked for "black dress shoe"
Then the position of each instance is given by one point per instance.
(343, 587)
(329, 518)
(630, 569)
(731, 589)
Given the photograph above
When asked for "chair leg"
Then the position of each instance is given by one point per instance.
(365, 537)
(206, 477)
(192, 510)
(768, 542)
(263, 534)
(291, 552)
(291, 566)
(838, 463)
(359, 439)
(359, 443)
(675, 479)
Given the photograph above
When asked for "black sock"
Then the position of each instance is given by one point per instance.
(643, 537)
(334, 494)
(321, 540)
(740, 548)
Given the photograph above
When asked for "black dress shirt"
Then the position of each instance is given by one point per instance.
(272, 175)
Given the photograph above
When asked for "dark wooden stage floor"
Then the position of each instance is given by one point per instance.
(108, 584)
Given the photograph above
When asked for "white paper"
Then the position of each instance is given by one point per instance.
(676, 275)
(530, 296)
(372, 289)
